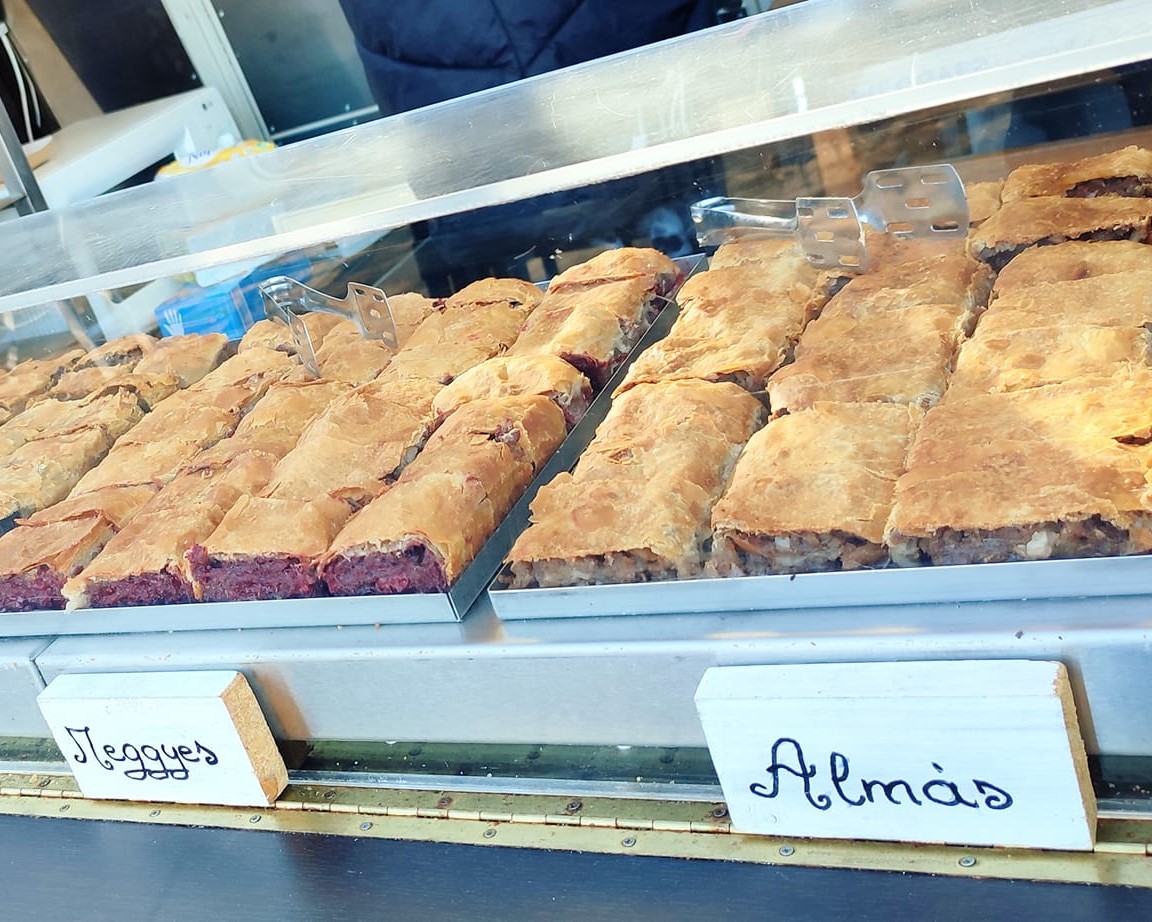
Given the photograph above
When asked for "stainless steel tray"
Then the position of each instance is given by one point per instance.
(479, 574)
(990, 582)
(344, 611)
(211, 616)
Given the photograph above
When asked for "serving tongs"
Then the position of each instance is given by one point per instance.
(908, 202)
(285, 299)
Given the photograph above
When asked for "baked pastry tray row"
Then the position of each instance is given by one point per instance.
(348, 611)
(1094, 577)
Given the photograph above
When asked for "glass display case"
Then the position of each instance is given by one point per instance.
(527, 181)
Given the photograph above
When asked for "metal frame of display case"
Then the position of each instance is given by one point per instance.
(802, 69)
(624, 681)
(599, 681)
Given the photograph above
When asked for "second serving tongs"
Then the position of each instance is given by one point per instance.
(908, 202)
(285, 299)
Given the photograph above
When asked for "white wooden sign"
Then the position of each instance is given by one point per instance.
(182, 737)
(967, 753)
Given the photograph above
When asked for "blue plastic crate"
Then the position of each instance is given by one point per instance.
(228, 307)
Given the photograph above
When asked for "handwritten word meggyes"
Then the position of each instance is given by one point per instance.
(788, 761)
(141, 762)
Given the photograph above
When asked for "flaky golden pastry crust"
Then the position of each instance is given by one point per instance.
(1118, 299)
(31, 378)
(189, 358)
(736, 324)
(516, 292)
(254, 370)
(41, 473)
(1072, 261)
(1034, 356)
(291, 405)
(125, 350)
(353, 360)
(1050, 219)
(660, 273)
(900, 356)
(983, 200)
(116, 504)
(508, 376)
(591, 328)
(359, 443)
(1089, 176)
(763, 250)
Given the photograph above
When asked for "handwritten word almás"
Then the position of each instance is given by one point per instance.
(788, 760)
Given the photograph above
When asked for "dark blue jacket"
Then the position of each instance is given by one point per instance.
(418, 52)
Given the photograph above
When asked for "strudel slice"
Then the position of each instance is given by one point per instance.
(636, 507)
(124, 350)
(736, 324)
(423, 531)
(144, 564)
(42, 472)
(592, 328)
(185, 418)
(189, 357)
(169, 437)
(354, 360)
(661, 274)
(266, 549)
(36, 560)
(1126, 172)
(461, 334)
(52, 546)
(253, 370)
(1052, 219)
(1035, 356)
(515, 293)
(1072, 261)
(1059, 471)
(30, 379)
(358, 445)
(150, 389)
(510, 376)
(1116, 299)
(136, 463)
(117, 504)
(1052, 332)
(812, 491)
(489, 325)
(291, 405)
(103, 365)
(922, 272)
(77, 383)
(115, 412)
(274, 426)
(889, 356)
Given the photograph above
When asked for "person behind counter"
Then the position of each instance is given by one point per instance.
(419, 52)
